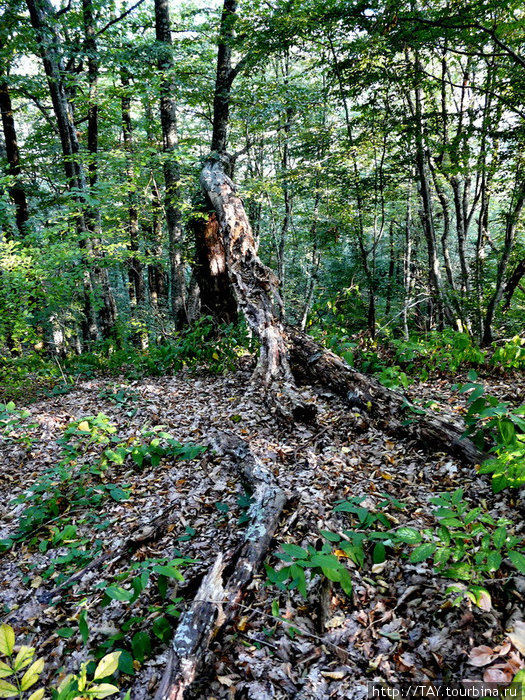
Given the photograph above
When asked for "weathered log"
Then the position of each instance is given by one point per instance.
(256, 289)
(216, 602)
(391, 409)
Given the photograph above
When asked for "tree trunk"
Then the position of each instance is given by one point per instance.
(16, 189)
(389, 408)
(217, 600)
(508, 246)
(256, 288)
(168, 116)
(135, 273)
(513, 283)
(43, 21)
(216, 294)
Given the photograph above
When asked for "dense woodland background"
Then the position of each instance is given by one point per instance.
(186, 186)
(378, 149)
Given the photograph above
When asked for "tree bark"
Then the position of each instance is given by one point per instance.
(217, 600)
(256, 288)
(16, 189)
(135, 272)
(43, 20)
(513, 283)
(389, 408)
(510, 237)
(216, 293)
(168, 116)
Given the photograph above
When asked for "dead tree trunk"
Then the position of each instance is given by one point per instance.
(216, 601)
(389, 408)
(256, 288)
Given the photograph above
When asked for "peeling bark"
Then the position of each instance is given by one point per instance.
(216, 601)
(256, 287)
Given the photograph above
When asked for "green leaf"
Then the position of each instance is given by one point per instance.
(328, 561)
(107, 665)
(141, 645)
(169, 571)
(424, 551)
(8, 690)
(83, 626)
(118, 494)
(345, 581)
(125, 663)
(23, 658)
(494, 560)
(37, 695)
(330, 536)
(32, 674)
(119, 593)
(103, 690)
(5, 670)
(408, 535)
(65, 632)
(379, 553)
(162, 629)
(518, 560)
(7, 640)
(499, 536)
(294, 551)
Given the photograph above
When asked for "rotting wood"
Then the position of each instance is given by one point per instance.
(216, 602)
(392, 411)
(257, 290)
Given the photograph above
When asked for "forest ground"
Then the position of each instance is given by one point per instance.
(398, 623)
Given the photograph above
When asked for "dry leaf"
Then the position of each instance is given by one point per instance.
(517, 636)
(481, 656)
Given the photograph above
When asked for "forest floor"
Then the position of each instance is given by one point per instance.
(397, 625)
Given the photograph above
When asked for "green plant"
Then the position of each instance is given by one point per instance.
(11, 422)
(489, 420)
(299, 559)
(468, 544)
(510, 355)
(20, 683)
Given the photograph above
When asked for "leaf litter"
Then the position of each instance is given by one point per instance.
(398, 623)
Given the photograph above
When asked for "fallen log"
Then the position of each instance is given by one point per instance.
(216, 601)
(392, 411)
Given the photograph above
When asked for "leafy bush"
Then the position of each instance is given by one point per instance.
(498, 424)
(510, 355)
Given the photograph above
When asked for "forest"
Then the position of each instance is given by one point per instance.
(262, 349)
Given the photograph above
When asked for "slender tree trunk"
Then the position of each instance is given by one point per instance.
(16, 189)
(135, 273)
(43, 21)
(510, 237)
(158, 290)
(168, 116)
(108, 313)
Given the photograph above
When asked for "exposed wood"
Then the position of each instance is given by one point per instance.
(256, 289)
(390, 408)
(216, 601)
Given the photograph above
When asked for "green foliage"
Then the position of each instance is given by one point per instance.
(466, 544)
(203, 346)
(495, 422)
(11, 424)
(299, 560)
(78, 482)
(21, 681)
(511, 354)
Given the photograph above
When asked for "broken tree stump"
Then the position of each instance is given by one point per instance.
(217, 600)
